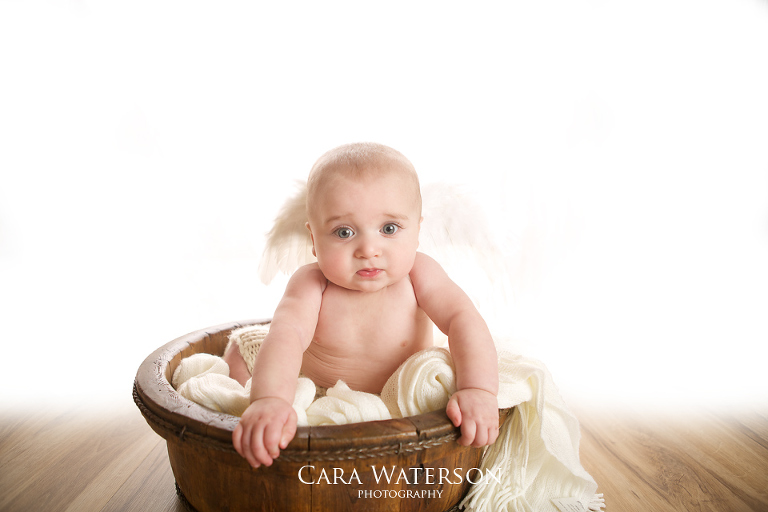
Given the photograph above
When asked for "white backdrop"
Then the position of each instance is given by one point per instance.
(145, 148)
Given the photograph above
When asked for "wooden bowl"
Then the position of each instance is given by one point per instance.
(339, 468)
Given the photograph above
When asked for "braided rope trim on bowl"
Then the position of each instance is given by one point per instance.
(292, 456)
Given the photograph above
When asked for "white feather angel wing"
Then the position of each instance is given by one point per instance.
(288, 243)
(455, 231)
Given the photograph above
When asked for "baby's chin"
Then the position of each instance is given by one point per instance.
(367, 286)
(367, 282)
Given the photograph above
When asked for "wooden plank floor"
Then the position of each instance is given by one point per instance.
(110, 460)
(690, 460)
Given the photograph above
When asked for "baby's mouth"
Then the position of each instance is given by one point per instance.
(369, 272)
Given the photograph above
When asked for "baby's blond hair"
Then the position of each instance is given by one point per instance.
(357, 161)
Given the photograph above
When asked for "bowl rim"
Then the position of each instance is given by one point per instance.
(173, 416)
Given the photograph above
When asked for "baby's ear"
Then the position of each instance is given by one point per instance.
(421, 220)
(311, 237)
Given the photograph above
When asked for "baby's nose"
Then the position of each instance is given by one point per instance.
(368, 247)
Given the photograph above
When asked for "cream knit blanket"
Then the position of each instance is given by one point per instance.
(537, 453)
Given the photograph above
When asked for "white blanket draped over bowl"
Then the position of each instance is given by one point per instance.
(537, 454)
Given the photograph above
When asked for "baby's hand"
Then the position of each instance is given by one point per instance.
(476, 411)
(267, 426)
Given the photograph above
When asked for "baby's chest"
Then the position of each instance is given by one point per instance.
(348, 318)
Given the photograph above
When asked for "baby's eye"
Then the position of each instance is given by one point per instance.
(344, 233)
(390, 229)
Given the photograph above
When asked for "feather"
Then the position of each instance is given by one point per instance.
(455, 229)
(288, 245)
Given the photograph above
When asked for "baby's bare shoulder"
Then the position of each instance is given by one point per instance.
(435, 292)
(307, 277)
(427, 270)
(309, 271)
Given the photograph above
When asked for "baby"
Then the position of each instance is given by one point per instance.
(365, 306)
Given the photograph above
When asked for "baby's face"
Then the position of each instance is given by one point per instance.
(365, 232)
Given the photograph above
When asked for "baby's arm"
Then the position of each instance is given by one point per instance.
(269, 423)
(474, 406)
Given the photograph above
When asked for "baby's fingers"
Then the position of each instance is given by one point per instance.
(262, 452)
(485, 434)
(272, 438)
(453, 411)
(237, 439)
(244, 442)
(482, 436)
(241, 440)
(468, 433)
(289, 430)
(493, 433)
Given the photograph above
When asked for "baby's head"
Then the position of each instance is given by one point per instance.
(364, 210)
(361, 161)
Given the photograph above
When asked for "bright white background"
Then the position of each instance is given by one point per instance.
(620, 147)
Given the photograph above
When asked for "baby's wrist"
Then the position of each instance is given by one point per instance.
(269, 397)
(492, 393)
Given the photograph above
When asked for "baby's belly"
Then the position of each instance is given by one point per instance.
(364, 370)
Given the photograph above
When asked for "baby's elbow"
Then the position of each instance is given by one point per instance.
(467, 318)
